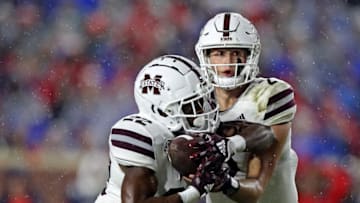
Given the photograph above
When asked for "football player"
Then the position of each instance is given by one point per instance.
(171, 95)
(228, 50)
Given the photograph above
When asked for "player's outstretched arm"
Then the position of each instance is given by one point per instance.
(250, 189)
(257, 137)
(140, 186)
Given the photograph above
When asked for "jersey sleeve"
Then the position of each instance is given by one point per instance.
(281, 106)
(132, 145)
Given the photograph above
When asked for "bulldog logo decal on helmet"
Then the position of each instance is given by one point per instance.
(147, 84)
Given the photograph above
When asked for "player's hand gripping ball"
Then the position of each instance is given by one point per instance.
(185, 153)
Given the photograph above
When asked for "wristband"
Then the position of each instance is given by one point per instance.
(231, 187)
(236, 143)
(189, 195)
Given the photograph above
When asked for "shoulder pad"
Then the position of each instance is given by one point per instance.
(134, 141)
(281, 105)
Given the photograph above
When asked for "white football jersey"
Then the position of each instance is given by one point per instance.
(138, 141)
(268, 101)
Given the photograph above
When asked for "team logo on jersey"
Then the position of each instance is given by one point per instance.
(148, 83)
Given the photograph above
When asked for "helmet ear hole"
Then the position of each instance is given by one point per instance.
(158, 111)
(161, 113)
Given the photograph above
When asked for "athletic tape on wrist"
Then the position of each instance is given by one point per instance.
(189, 195)
(237, 143)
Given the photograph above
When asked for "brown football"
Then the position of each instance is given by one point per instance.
(179, 152)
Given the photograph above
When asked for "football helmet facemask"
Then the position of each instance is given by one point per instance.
(172, 90)
(229, 30)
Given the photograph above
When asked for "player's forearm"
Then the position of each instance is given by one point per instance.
(140, 186)
(189, 195)
(175, 198)
(249, 191)
(259, 173)
(185, 196)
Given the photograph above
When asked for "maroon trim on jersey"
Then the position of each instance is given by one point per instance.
(133, 148)
(280, 109)
(132, 134)
(279, 96)
(226, 25)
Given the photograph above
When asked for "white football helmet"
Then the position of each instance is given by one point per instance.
(229, 30)
(172, 90)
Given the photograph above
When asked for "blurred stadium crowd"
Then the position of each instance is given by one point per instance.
(67, 69)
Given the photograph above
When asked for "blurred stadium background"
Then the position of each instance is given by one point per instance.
(67, 69)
